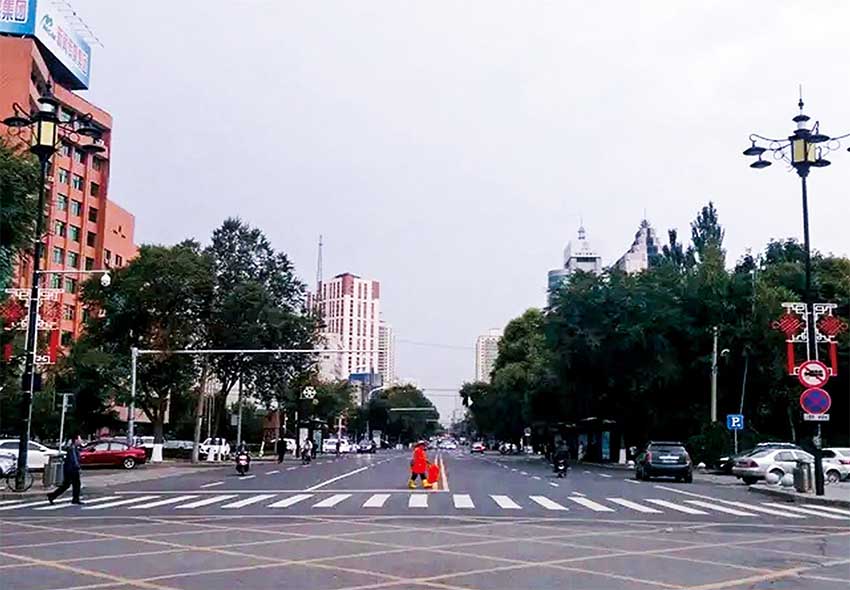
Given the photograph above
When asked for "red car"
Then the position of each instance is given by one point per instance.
(111, 453)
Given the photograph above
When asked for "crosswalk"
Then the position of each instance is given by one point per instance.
(323, 502)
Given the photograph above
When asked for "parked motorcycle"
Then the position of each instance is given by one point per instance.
(243, 462)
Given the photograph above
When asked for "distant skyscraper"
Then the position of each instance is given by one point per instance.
(386, 353)
(578, 256)
(486, 351)
(643, 251)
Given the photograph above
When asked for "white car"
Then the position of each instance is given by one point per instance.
(836, 464)
(329, 446)
(218, 444)
(778, 461)
(37, 455)
(448, 445)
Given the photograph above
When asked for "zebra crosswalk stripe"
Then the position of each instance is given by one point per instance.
(418, 501)
(832, 509)
(462, 501)
(376, 501)
(206, 502)
(166, 502)
(63, 505)
(635, 506)
(781, 513)
(27, 504)
(808, 511)
(125, 501)
(248, 501)
(290, 501)
(547, 503)
(673, 506)
(719, 508)
(505, 502)
(331, 501)
(595, 506)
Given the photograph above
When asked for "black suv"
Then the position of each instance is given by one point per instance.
(668, 459)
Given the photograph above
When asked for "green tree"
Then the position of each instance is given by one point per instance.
(19, 178)
(403, 413)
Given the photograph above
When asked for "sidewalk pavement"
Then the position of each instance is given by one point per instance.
(834, 495)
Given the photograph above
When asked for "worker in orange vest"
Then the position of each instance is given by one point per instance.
(419, 466)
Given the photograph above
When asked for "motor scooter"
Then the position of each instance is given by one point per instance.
(243, 462)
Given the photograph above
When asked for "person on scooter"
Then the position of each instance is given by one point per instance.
(306, 450)
(242, 449)
(562, 454)
(419, 466)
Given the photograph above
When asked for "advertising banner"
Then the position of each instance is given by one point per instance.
(17, 17)
(54, 32)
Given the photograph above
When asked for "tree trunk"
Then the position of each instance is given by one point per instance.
(199, 413)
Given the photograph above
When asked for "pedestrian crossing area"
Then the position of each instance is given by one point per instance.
(574, 504)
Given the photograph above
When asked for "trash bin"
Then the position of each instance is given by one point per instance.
(803, 476)
(52, 475)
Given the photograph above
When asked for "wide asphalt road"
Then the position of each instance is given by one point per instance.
(493, 522)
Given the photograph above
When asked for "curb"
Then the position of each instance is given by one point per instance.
(799, 498)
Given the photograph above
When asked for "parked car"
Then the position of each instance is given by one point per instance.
(725, 464)
(477, 447)
(366, 446)
(329, 446)
(112, 453)
(448, 445)
(37, 454)
(667, 459)
(216, 443)
(836, 464)
(779, 461)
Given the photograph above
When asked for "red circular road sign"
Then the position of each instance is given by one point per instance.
(813, 374)
(815, 401)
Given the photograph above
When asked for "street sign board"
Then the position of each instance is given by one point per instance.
(815, 401)
(816, 417)
(735, 421)
(813, 374)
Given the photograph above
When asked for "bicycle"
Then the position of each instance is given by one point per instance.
(11, 483)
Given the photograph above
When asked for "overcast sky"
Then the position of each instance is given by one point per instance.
(449, 149)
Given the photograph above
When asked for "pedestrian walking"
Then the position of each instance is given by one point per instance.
(281, 446)
(70, 472)
(419, 466)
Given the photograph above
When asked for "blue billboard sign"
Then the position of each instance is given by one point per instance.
(42, 20)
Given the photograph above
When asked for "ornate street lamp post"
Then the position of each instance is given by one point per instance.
(44, 127)
(803, 150)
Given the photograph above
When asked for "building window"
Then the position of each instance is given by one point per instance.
(76, 208)
(59, 228)
(107, 256)
(91, 239)
(97, 163)
(55, 281)
(65, 150)
(79, 156)
(95, 189)
(73, 260)
(69, 312)
(63, 176)
(61, 202)
(58, 255)
(74, 233)
(89, 263)
(70, 285)
(118, 260)
(78, 182)
(92, 214)
(66, 338)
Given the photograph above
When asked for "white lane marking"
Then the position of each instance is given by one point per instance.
(554, 485)
(547, 503)
(273, 471)
(672, 506)
(604, 475)
(514, 469)
(243, 477)
(719, 508)
(291, 468)
(808, 511)
(537, 477)
(58, 506)
(595, 506)
(337, 478)
(506, 503)
(248, 501)
(632, 481)
(830, 509)
(463, 501)
(586, 472)
(7, 502)
(578, 494)
(287, 502)
(165, 502)
(120, 502)
(523, 473)
(206, 501)
(418, 501)
(760, 509)
(376, 501)
(331, 501)
(634, 505)
(213, 484)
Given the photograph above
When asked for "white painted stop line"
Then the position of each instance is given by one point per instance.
(463, 501)
(287, 502)
(547, 503)
(506, 503)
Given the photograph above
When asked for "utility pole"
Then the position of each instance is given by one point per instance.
(239, 406)
(714, 378)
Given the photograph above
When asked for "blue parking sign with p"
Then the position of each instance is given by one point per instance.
(735, 421)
